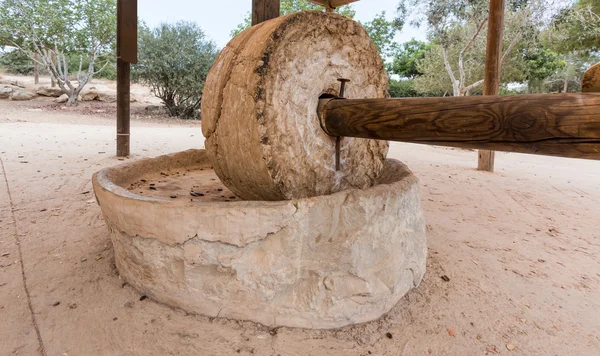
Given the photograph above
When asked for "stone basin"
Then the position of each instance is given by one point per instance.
(182, 238)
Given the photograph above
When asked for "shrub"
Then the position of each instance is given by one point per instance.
(174, 60)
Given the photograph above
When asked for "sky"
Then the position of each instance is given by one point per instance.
(218, 18)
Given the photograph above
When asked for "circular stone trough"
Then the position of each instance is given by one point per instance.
(183, 239)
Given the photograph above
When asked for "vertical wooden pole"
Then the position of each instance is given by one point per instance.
(126, 54)
(36, 73)
(123, 107)
(493, 58)
(263, 10)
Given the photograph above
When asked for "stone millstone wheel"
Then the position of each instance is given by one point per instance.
(259, 108)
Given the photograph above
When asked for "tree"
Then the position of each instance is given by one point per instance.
(575, 28)
(457, 33)
(291, 6)
(406, 58)
(382, 32)
(174, 60)
(54, 32)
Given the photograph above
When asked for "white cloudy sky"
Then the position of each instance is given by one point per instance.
(218, 18)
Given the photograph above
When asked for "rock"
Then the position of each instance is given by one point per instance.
(51, 92)
(132, 99)
(257, 88)
(13, 83)
(21, 95)
(64, 98)
(5, 92)
(106, 97)
(321, 262)
(89, 96)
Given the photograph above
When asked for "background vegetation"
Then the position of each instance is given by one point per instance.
(548, 44)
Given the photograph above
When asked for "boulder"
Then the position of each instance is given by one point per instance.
(5, 92)
(12, 82)
(21, 95)
(106, 97)
(51, 92)
(64, 98)
(89, 95)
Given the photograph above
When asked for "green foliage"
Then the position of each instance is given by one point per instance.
(16, 62)
(455, 58)
(406, 58)
(56, 31)
(406, 89)
(575, 28)
(174, 60)
(291, 6)
(382, 32)
(542, 63)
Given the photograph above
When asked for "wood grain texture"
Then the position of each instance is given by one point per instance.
(127, 24)
(493, 67)
(264, 10)
(123, 107)
(566, 125)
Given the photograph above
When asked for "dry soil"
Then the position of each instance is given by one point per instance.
(513, 267)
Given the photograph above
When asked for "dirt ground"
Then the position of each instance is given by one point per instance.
(513, 267)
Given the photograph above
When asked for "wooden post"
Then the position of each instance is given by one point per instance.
(493, 68)
(36, 73)
(565, 125)
(263, 10)
(126, 54)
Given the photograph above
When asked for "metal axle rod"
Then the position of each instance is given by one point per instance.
(565, 125)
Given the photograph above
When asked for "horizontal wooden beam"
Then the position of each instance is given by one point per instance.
(332, 3)
(566, 125)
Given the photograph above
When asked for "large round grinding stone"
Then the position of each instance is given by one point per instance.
(259, 107)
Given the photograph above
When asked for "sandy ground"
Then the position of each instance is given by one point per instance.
(518, 251)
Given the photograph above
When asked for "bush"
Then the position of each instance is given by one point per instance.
(16, 62)
(174, 60)
(406, 89)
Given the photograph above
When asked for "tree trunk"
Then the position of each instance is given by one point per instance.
(566, 86)
(72, 99)
(52, 81)
(36, 73)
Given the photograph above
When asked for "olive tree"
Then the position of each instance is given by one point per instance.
(457, 31)
(174, 60)
(54, 33)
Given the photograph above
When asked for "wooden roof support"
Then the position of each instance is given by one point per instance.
(126, 54)
(491, 84)
(263, 10)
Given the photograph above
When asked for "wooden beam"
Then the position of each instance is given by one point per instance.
(566, 125)
(264, 10)
(491, 83)
(126, 54)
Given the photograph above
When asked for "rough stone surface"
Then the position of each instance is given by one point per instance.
(64, 98)
(5, 92)
(259, 107)
(322, 262)
(590, 83)
(51, 92)
(97, 95)
(21, 95)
